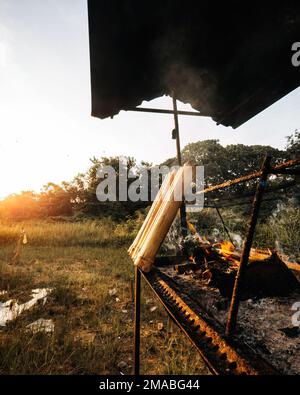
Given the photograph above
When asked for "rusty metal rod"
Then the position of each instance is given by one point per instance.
(251, 193)
(237, 200)
(163, 111)
(229, 183)
(291, 172)
(137, 320)
(285, 165)
(223, 223)
(237, 204)
(252, 176)
(235, 299)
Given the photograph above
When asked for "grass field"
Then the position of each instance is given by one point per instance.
(87, 267)
(84, 264)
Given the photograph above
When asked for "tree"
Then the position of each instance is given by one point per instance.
(226, 163)
(54, 200)
(22, 206)
(84, 186)
(79, 196)
(293, 145)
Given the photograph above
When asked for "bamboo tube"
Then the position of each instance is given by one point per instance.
(150, 213)
(158, 230)
(163, 190)
(133, 249)
(161, 224)
(148, 217)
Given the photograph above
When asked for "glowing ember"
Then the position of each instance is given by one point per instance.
(259, 255)
(192, 259)
(227, 250)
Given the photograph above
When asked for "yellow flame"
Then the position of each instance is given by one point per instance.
(192, 228)
(227, 247)
(259, 255)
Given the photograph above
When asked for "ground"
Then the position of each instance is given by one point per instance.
(92, 310)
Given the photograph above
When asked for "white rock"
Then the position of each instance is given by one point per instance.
(10, 309)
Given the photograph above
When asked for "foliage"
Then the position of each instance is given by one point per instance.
(293, 144)
(78, 199)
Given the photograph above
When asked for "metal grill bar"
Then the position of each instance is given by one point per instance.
(220, 355)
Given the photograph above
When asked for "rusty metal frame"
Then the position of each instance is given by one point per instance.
(137, 320)
(235, 299)
(222, 354)
(222, 357)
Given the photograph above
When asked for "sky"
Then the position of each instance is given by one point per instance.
(46, 130)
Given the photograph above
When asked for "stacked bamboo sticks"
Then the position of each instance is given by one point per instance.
(158, 221)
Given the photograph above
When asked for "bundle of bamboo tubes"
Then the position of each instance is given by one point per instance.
(158, 221)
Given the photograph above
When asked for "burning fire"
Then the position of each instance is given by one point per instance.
(192, 259)
(228, 251)
(259, 255)
(227, 248)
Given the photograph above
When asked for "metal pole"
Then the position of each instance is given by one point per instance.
(177, 131)
(182, 208)
(235, 299)
(223, 223)
(137, 320)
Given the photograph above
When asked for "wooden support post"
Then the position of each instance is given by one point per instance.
(137, 320)
(182, 208)
(235, 299)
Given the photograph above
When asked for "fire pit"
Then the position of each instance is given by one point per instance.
(204, 292)
(260, 335)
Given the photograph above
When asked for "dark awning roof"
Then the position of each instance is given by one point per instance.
(229, 60)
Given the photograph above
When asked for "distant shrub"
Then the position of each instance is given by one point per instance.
(91, 233)
(285, 225)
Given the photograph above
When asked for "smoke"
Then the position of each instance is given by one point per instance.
(191, 85)
(237, 240)
(174, 241)
(177, 65)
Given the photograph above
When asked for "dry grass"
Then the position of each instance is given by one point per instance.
(54, 234)
(93, 330)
